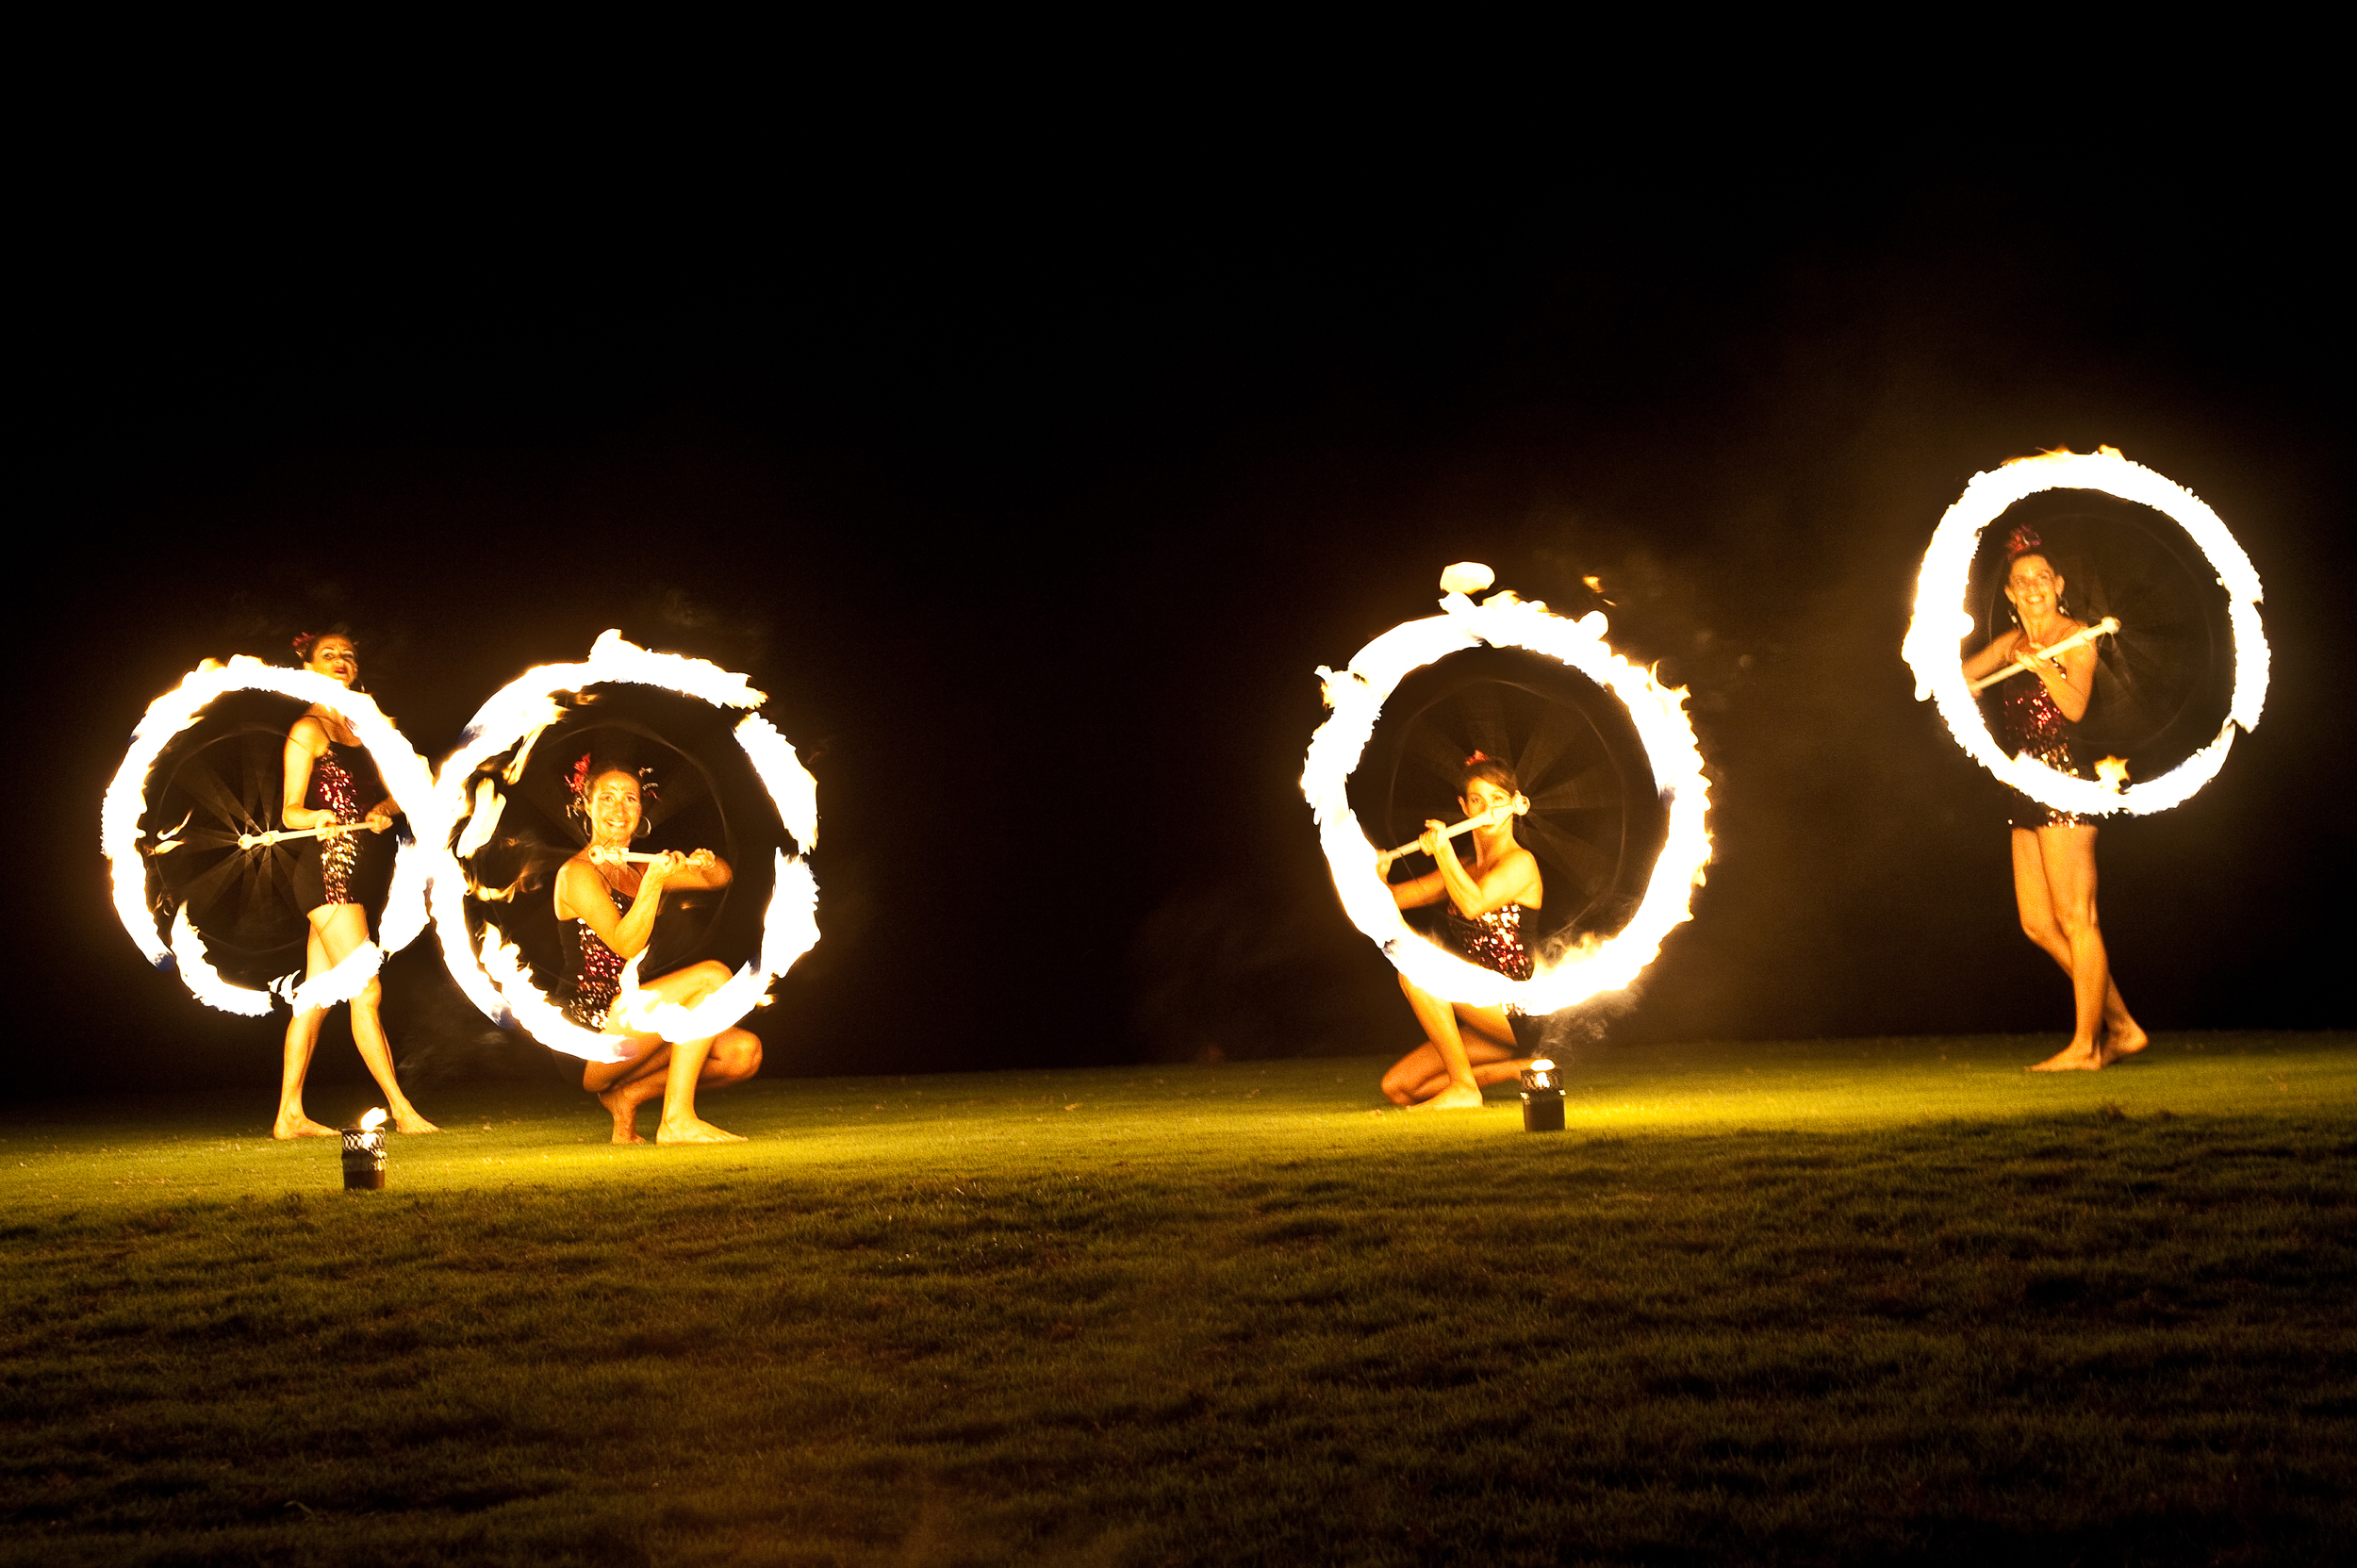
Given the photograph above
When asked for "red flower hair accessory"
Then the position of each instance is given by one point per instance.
(2023, 541)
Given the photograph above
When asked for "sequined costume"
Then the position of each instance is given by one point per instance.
(596, 970)
(2033, 726)
(1494, 941)
(347, 869)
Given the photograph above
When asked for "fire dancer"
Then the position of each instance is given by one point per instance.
(607, 902)
(2053, 851)
(1467, 1047)
(331, 781)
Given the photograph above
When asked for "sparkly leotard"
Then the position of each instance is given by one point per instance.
(2034, 727)
(338, 870)
(1494, 941)
(596, 968)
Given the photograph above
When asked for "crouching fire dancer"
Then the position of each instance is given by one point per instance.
(606, 901)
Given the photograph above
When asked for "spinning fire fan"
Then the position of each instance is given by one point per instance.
(1605, 756)
(2182, 660)
(727, 782)
(202, 871)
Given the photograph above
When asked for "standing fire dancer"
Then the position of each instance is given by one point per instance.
(1467, 1047)
(332, 784)
(2053, 851)
(607, 902)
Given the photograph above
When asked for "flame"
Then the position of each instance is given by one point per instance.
(485, 821)
(125, 802)
(373, 1120)
(493, 974)
(1941, 623)
(2112, 772)
(1357, 697)
(204, 981)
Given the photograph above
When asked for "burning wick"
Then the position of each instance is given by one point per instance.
(1543, 1096)
(364, 1154)
(1490, 819)
(2113, 771)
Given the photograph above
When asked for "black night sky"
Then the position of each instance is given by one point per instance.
(1034, 508)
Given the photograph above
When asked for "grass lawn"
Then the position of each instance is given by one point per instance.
(1841, 1301)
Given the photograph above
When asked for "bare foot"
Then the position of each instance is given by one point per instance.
(1457, 1097)
(625, 1114)
(297, 1125)
(2117, 1044)
(692, 1129)
(408, 1120)
(2072, 1058)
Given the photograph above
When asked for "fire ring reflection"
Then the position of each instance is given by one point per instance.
(468, 797)
(1943, 618)
(1579, 970)
(210, 854)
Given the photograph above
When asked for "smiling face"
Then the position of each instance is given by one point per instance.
(613, 806)
(336, 658)
(2034, 587)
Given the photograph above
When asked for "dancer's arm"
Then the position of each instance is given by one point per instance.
(584, 898)
(300, 754)
(1995, 656)
(1510, 881)
(2069, 679)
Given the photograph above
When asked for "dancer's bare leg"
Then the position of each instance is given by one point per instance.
(2064, 857)
(342, 930)
(1490, 1050)
(303, 1038)
(2122, 1035)
(677, 1071)
(622, 1088)
(1460, 1089)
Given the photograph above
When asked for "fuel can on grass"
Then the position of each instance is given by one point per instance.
(1542, 1097)
(364, 1159)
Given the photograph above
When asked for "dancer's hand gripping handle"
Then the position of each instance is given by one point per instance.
(1518, 806)
(2046, 655)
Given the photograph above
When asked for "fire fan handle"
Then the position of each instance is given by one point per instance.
(256, 840)
(1490, 819)
(2046, 653)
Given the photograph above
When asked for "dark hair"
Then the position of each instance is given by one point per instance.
(1479, 766)
(583, 778)
(305, 641)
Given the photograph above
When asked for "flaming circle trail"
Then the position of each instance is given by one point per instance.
(1357, 696)
(493, 974)
(405, 777)
(1942, 620)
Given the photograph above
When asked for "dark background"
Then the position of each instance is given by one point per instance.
(1033, 500)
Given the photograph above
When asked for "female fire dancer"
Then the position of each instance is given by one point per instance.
(2053, 851)
(605, 912)
(331, 781)
(1466, 1046)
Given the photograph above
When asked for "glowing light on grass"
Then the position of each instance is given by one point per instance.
(1357, 696)
(493, 974)
(406, 779)
(1943, 621)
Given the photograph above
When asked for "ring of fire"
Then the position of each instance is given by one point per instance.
(405, 777)
(1356, 695)
(1942, 620)
(493, 974)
